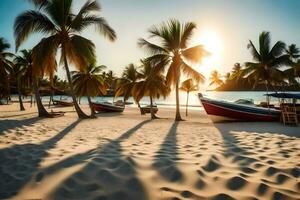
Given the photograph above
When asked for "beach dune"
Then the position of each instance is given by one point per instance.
(127, 156)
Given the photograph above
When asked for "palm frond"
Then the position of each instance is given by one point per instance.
(187, 32)
(80, 51)
(256, 56)
(190, 72)
(195, 54)
(278, 49)
(29, 22)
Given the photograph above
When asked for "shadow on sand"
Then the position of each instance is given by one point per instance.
(20, 162)
(166, 157)
(259, 127)
(7, 124)
(108, 174)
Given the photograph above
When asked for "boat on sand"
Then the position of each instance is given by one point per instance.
(234, 111)
(108, 107)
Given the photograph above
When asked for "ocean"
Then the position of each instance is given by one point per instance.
(193, 99)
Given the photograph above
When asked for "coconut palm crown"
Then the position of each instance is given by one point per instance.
(172, 49)
(89, 82)
(267, 61)
(62, 28)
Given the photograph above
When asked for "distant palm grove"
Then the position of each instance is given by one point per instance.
(168, 58)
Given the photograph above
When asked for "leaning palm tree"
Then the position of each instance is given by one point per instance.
(215, 78)
(188, 86)
(151, 83)
(268, 60)
(127, 81)
(173, 51)
(62, 27)
(89, 82)
(33, 77)
(5, 67)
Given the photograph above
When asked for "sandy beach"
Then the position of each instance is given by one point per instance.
(127, 156)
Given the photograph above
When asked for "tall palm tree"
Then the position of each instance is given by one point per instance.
(17, 73)
(188, 86)
(268, 60)
(215, 78)
(26, 62)
(173, 51)
(89, 82)
(5, 67)
(62, 27)
(127, 81)
(152, 83)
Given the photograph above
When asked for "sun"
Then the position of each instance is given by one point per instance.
(212, 42)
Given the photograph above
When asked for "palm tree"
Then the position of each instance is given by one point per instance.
(267, 61)
(215, 78)
(17, 72)
(188, 86)
(152, 83)
(127, 81)
(294, 71)
(174, 53)
(227, 77)
(26, 62)
(55, 19)
(5, 67)
(293, 52)
(89, 82)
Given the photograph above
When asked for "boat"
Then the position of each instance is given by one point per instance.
(231, 111)
(63, 103)
(146, 109)
(108, 107)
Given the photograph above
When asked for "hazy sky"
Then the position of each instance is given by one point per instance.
(224, 26)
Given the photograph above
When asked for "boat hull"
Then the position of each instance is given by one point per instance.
(104, 107)
(63, 103)
(226, 111)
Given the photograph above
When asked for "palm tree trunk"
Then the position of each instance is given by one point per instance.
(139, 106)
(91, 107)
(51, 98)
(20, 95)
(187, 103)
(267, 97)
(151, 109)
(178, 116)
(80, 113)
(41, 109)
(31, 100)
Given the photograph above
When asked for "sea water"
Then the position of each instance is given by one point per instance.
(194, 103)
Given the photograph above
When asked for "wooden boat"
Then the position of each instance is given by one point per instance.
(227, 111)
(108, 107)
(63, 103)
(146, 109)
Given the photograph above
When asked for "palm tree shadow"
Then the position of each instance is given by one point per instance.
(108, 175)
(8, 124)
(166, 157)
(233, 149)
(20, 162)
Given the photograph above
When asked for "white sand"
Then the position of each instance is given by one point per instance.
(128, 156)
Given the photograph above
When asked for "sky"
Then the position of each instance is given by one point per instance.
(223, 26)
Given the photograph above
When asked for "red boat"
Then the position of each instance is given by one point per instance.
(108, 107)
(63, 103)
(227, 111)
